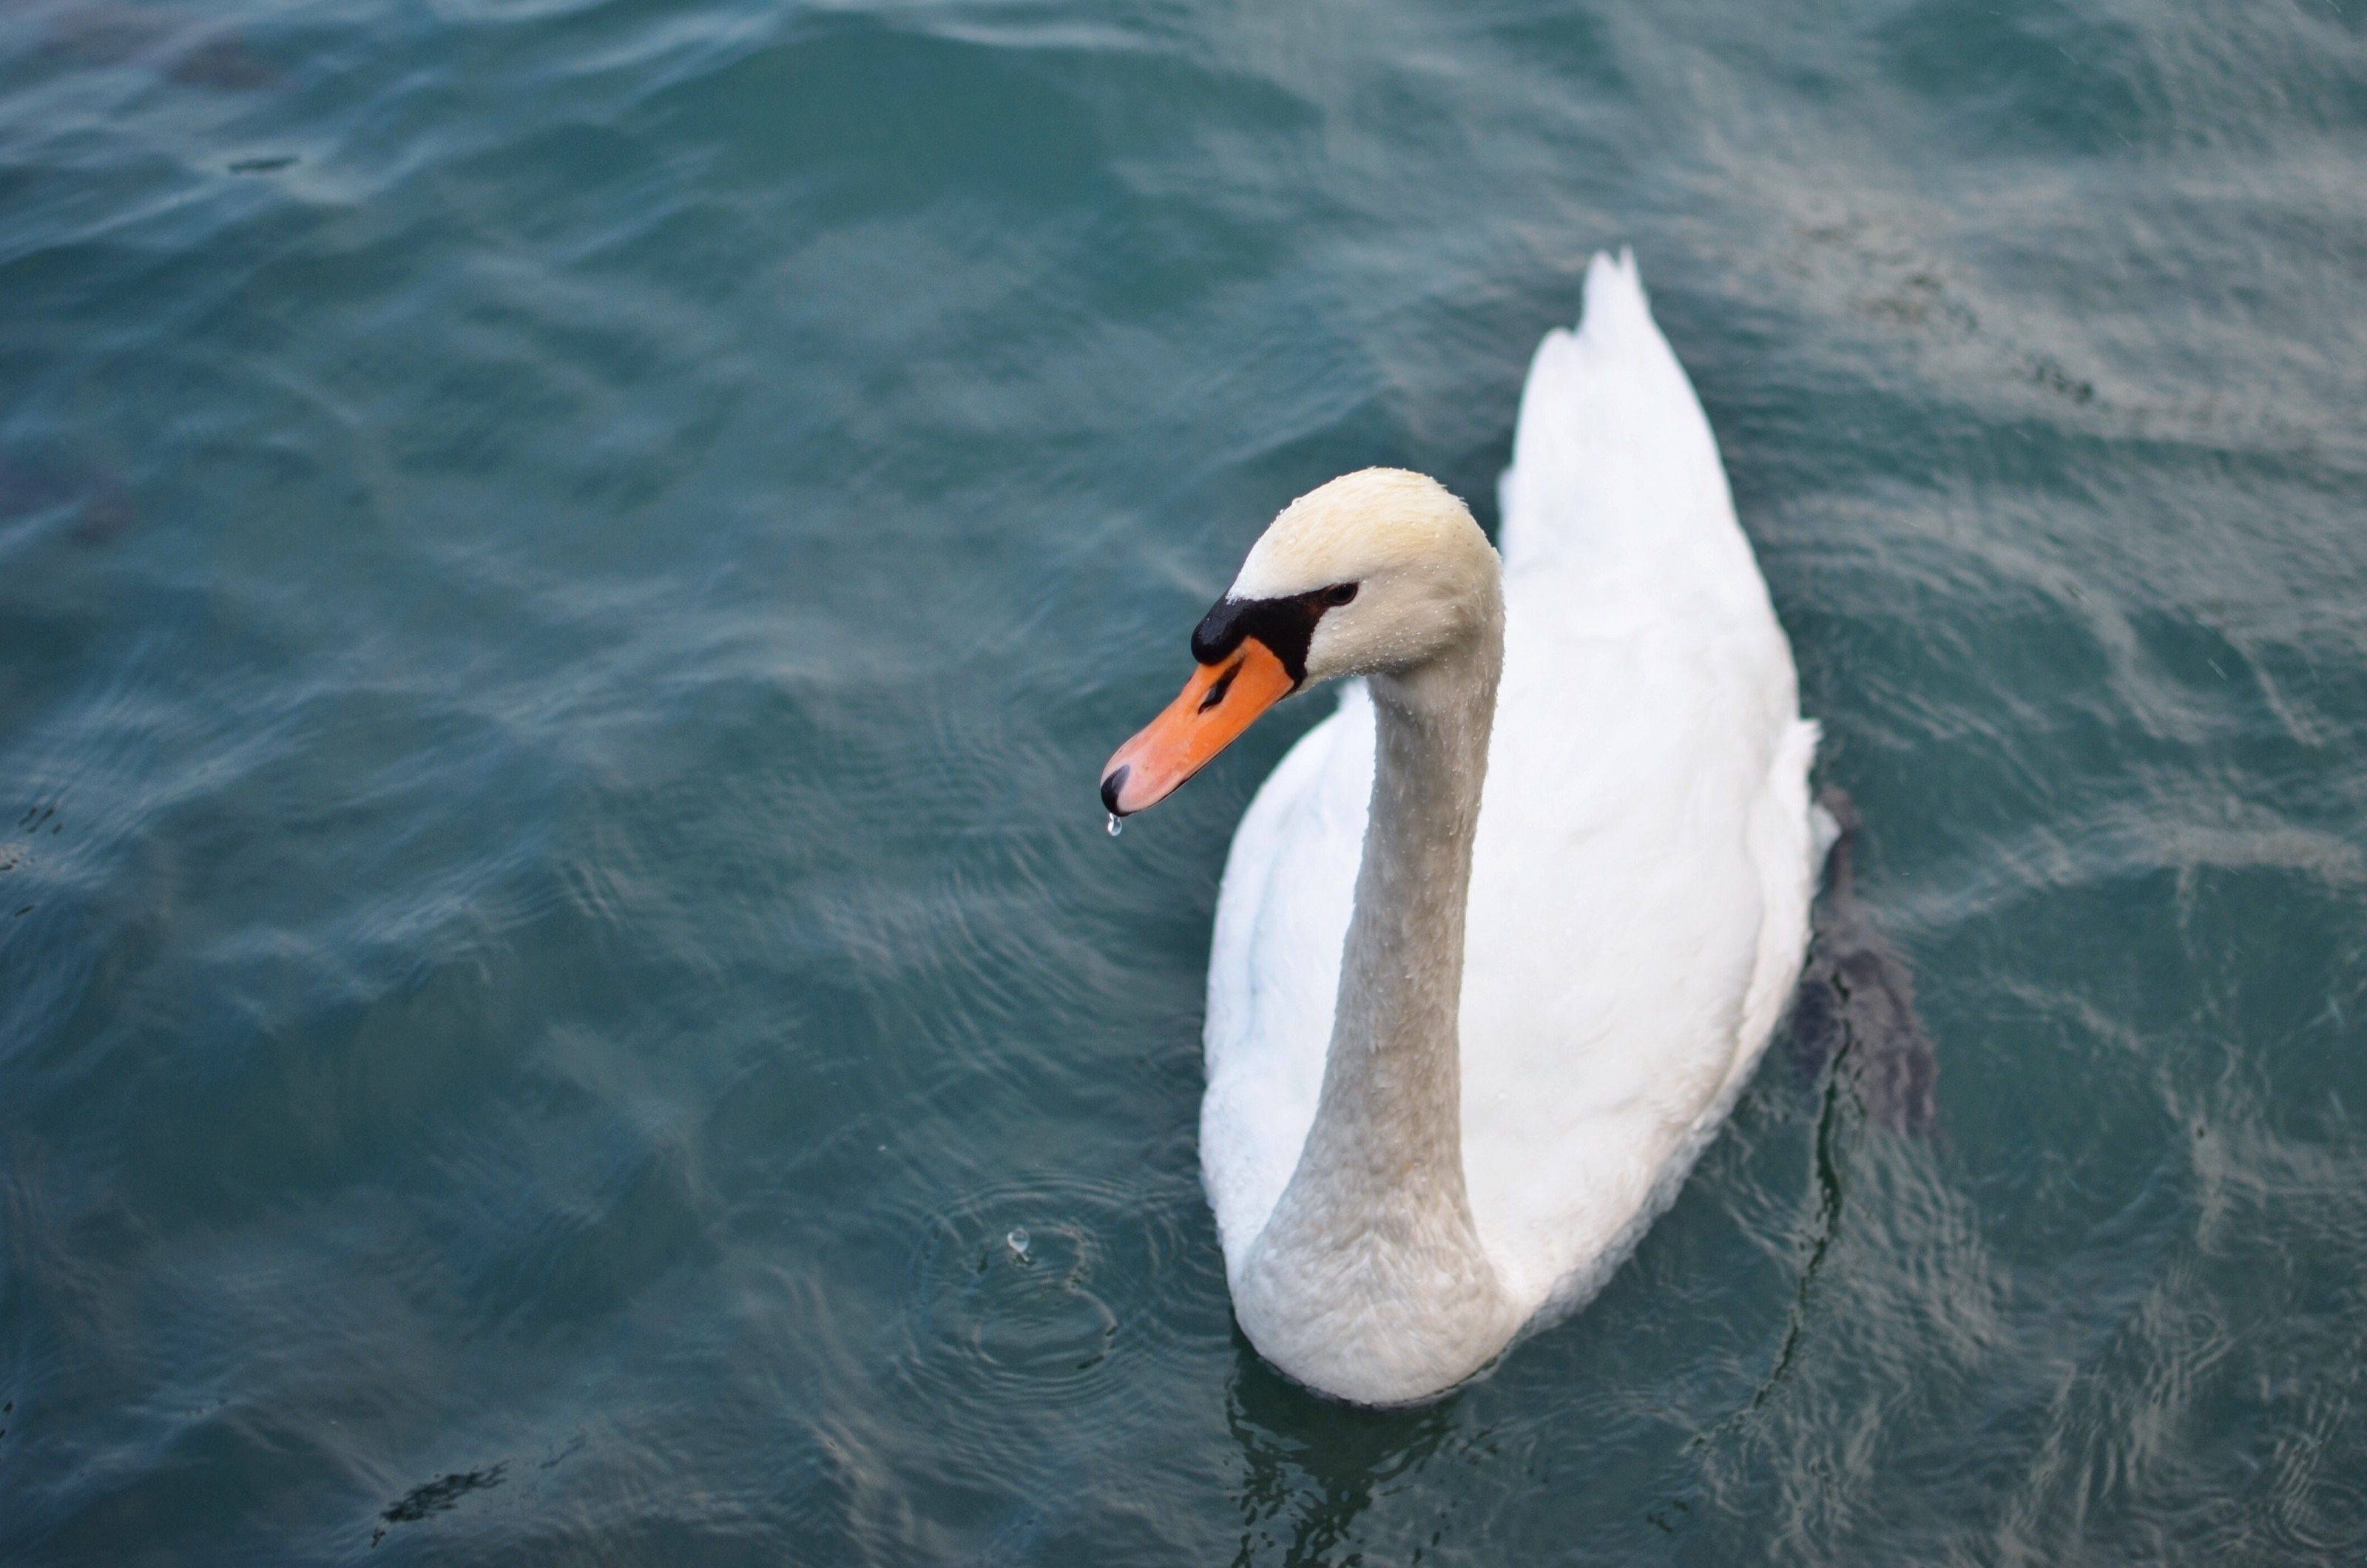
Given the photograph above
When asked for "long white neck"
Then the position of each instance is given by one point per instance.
(1369, 1279)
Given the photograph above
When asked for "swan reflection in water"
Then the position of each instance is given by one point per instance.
(1855, 1007)
(1312, 1466)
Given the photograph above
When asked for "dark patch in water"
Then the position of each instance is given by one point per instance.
(440, 1495)
(1312, 1467)
(31, 484)
(223, 62)
(116, 35)
(2049, 373)
(1908, 290)
(1856, 1003)
(30, 824)
(107, 35)
(263, 165)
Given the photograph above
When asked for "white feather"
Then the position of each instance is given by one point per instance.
(1639, 893)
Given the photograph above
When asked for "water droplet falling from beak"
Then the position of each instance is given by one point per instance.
(1117, 824)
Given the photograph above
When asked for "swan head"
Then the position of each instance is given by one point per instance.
(1377, 572)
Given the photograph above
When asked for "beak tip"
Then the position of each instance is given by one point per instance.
(1112, 783)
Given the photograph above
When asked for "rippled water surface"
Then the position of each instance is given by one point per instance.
(565, 574)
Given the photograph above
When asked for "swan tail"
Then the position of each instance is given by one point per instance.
(1614, 468)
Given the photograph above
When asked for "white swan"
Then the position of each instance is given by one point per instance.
(1475, 1008)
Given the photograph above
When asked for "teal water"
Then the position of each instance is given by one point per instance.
(566, 572)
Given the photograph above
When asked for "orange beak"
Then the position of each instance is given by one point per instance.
(1219, 701)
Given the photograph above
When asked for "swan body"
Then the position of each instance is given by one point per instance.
(1500, 942)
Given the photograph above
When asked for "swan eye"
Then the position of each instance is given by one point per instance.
(1341, 595)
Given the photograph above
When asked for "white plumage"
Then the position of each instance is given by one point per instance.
(1644, 860)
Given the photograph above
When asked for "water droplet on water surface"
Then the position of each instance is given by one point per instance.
(1117, 824)
(1017, 1242)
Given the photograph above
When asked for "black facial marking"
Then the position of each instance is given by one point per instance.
(1284, 625)
(1224, 683)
